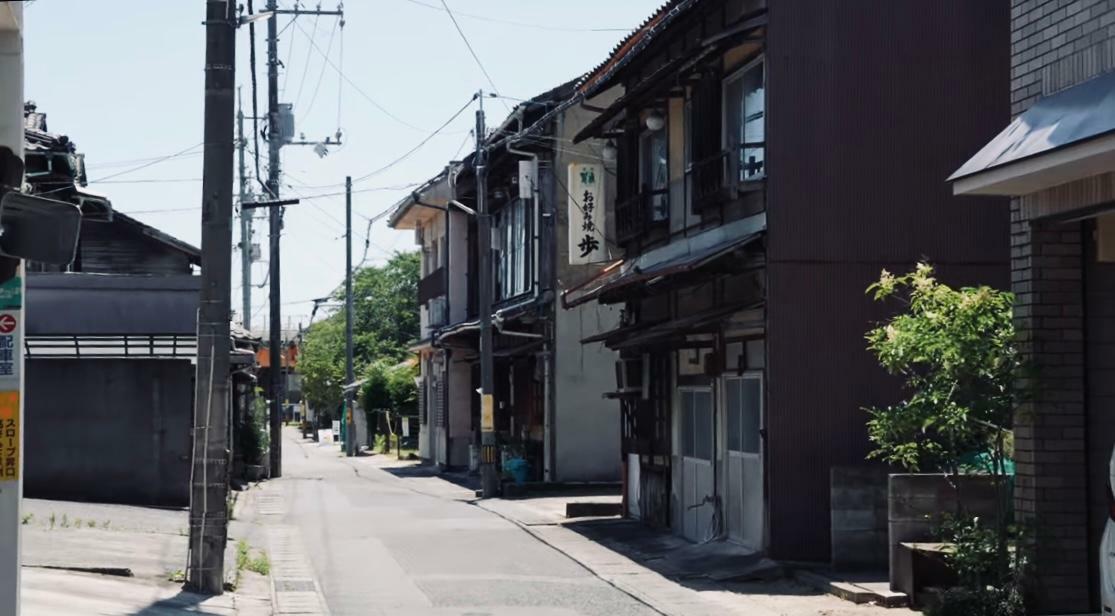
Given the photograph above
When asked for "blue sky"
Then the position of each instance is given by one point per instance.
(124, 79)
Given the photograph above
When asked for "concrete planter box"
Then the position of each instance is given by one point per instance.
(918, 503)
(254, 472)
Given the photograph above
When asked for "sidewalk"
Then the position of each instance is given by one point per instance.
(87, 558)
(666, 573)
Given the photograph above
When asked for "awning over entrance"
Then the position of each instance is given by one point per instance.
(1067, 136)
(678, 257)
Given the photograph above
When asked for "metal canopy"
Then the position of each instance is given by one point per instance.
(1012, 162)
(678, 257)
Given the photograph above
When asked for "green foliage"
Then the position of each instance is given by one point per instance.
(982, 602)
(385, 324)
(255, 437)
(954, 349)
(990, 585)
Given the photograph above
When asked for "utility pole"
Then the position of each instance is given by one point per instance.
(350, 394)
(245, 228)
(489, 479)
(274, 143)
(209, 474)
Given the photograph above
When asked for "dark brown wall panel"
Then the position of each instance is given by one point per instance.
(820, 377)
(872, 105)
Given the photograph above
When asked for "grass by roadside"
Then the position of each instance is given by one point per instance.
(245, 561)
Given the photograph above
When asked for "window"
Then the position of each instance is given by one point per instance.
(696, 429)
(514, 242)
(655, 173)
(745, 123)
(743, 399)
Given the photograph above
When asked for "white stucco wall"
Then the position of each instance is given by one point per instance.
(586, 426)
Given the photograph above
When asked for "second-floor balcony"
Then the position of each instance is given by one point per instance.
(637, 213)
(432, 286)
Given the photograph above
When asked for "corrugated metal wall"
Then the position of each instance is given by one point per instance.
(869, 111)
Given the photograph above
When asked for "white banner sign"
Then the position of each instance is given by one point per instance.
(586, 214)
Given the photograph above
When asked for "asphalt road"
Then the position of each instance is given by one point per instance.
(378, 546)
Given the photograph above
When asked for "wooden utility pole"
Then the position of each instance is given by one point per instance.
(209, 473)
(351, 447)
(489, 479)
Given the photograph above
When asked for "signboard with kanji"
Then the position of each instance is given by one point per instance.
(586, 214)
(9, 436)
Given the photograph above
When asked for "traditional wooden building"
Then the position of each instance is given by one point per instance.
(110, 344)
(548, 411)
(773, 158)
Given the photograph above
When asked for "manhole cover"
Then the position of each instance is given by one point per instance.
(294, 585)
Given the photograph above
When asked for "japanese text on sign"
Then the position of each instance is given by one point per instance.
(9, 435)
(586, 214)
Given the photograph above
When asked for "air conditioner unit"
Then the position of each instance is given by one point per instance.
(632, 376)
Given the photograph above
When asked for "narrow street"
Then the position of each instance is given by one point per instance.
(378, 546)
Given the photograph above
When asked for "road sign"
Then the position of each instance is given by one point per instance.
(7, 323)
(9, 436)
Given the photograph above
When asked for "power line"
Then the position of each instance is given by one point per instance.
(472, 51)
(149, 163)
(421, 143)
(147, 181)
(358, 89)
(521, 24)
(321, 74)
(306, 65)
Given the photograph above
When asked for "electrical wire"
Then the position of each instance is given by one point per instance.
(255, 101)
(521, 24)
(473, 52)
(306, 64)
(150, 163)
(148, 181)
(320, 75)
(421, 143)
(125, 163)
(358, 89)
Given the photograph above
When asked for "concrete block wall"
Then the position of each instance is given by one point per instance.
(859, 518)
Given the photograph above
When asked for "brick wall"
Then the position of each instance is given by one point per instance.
(1049, 437)
(1055, 44)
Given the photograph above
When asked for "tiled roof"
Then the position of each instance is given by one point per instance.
(632, 44)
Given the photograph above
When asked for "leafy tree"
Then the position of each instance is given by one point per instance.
(955, 350)
(385, 324)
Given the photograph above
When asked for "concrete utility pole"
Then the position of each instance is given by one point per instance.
(209, 474)
(350, 394)
(489, 479)
(11, 303)
(274, 142)
(245, 229)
